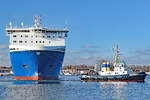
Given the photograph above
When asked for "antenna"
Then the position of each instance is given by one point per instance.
(66, 24)
(10, 24)
(22, 24)
(37, 20)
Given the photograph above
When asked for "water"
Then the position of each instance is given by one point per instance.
(71, 88)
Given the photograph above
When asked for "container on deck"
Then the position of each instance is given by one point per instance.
(108, 66)
(104, 66)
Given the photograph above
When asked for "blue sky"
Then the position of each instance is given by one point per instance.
(96, 26)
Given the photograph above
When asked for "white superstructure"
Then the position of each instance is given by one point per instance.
(119, 69)
(36, 38)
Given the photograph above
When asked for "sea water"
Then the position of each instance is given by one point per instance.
(71, 88)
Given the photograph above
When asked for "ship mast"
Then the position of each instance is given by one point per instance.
(37, 20)
(116, 55)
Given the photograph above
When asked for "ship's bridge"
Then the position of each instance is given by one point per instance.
(36, 30)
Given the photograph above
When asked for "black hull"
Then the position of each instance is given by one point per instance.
(128, 78)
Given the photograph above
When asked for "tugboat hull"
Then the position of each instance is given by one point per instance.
(139, 77)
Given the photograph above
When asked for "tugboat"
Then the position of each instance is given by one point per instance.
(117, 72)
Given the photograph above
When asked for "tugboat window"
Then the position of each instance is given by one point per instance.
(48, 36)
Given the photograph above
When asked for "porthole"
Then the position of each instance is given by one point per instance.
(25, 66)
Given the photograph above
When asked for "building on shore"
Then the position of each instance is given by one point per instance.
(6, 71)
(79, 69)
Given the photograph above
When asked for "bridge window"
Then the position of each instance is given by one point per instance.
(26, 36)
(48, 36)
(31, 41)
(36, 41)
(21, 36)
(60, 36)
(25, 41)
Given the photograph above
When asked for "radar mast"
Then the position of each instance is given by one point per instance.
(37, 20)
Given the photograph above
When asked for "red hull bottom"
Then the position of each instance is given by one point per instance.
(35, 78)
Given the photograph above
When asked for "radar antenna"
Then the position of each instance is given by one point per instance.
(37, 20)
(10, 24)
(22, 24)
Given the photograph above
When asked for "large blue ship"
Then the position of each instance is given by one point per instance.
(36, 53)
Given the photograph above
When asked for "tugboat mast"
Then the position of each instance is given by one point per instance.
(116, 55)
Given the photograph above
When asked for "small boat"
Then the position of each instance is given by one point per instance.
(117, 72)
(66, 73)
(5, 72)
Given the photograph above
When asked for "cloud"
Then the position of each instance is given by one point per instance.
(137, 60)
(3, 47)
(89, 60)
(86, 49)
(88, 46)
(139, 57)
(87, 54)
(144, 52)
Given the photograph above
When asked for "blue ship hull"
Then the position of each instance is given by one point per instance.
(36, 65)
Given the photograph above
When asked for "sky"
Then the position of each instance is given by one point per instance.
(95, 26)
